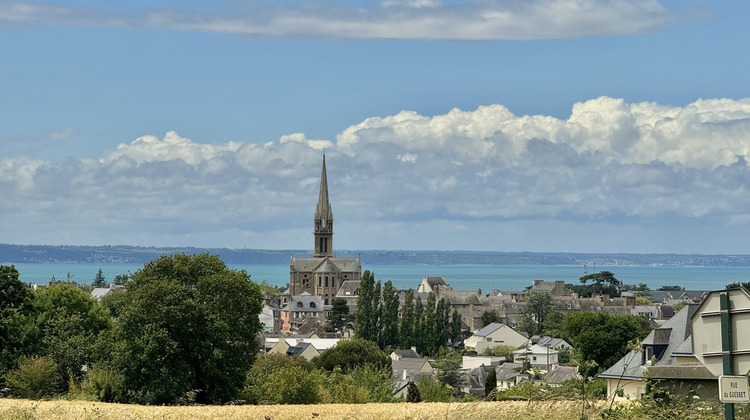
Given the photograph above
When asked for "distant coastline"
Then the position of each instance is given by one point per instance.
(122, 254)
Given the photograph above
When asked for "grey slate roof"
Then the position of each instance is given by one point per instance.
(460, 297)
(489, 329)
(306, 300)
(327, 264)
(560, 374)
(349, 288)
(507, 371)
(407, 353)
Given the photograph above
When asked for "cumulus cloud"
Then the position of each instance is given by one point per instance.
(393, 19)
(610, 162)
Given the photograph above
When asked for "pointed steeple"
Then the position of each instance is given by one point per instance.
(323, 219)
(323, 210)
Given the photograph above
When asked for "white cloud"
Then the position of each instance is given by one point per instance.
(610, 163)
(392, 19)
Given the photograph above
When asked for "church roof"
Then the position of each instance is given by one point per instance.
(323, 211)
(325, 264)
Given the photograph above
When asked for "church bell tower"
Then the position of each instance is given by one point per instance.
(323, 219)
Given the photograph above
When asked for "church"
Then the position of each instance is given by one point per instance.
(323, 274)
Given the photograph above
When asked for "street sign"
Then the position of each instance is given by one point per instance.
(733, 389)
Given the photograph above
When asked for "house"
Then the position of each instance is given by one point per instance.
(474, 380)
(559, 374)
(494, 335)
(401, 354)
(432, 284)
(409, 368)
(551, 342)
(270, 318)
(306, 350)
(295, 313)
(471, 362)
(99, 292)
(509, 375)
(537, 356)
(665, 354)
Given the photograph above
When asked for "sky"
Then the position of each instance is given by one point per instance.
(536, 125)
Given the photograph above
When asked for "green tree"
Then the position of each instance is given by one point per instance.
(538, 309)
(282, 379)
(350, 354)
(739, 285)
(603, 282)
(339, 314)
(99, 280)
(406, 330)
(449, 370)
(69, 322)
(490, 384)
(501, 351)
(121, 279)
(431, 390)
(365, 316)
(389, 316)
(601, 337)
(490, 316)
(35, 378)
(189, 325)
(17, 331)
(455, 327)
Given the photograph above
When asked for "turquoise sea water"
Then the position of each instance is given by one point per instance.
(486, 277)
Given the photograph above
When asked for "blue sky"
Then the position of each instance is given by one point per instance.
(542, 125)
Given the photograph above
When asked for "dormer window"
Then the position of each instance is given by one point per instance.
(300, 305)
(312, 304)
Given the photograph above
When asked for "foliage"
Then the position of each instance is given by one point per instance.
(640, 300)
(489, 316)
(282, 379)
(563, 356)
(431, 390)
(113, 302)
(406, 329)
(121, 279)
(35, 378)
(502, 350)
(671, 288)
(449, 370)
(17, 331)
(676, 308)
(739, 285)
(69, 322)
(361, 385)
(99, 280)
(104, 384)
(365, 316)
(603, 282)
(388, 322)
(350, 354)
(339, 314)
(601, 337)
(189, 324)
(412, 393)
(268, 289)
(539, 307)
(490, 383)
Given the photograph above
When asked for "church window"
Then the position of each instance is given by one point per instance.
(326, 281)
(319, 281)
(326, 303)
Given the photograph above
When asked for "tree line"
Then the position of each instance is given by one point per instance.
(428, 326)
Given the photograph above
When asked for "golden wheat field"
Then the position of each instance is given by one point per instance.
(64, 410)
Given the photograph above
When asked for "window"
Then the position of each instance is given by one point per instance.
(326, 302)
(299, 304)
(326, 281)
(533, 358)
(312, 304)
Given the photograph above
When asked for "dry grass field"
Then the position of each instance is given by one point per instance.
(64, 410)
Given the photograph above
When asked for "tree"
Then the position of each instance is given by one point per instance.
(412, 395)
(69, 322)
(339, 314)
(282, 379)
(604, 282)
(490, 383)
(99, 280)
(488, 317)
(455, 327)
(350, 354)
(189, 325)
(537, 310)
(602, 337)
(739, 285)
(121, 279)
(406, 330)
(389, 317)
(35, 378)
(17, 331)
(449, 370)
(365, 316)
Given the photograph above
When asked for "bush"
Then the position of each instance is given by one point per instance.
(282, 379)
(433, 391)
(361, 385)
(104, 384)
(350, 354)
(35, 378)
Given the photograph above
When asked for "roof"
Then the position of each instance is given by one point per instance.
(349, 288)
(435, 281)
(489, 329)
(323, 210)
(100, 292)
(325, 264)
(535, 349)
(508, 371)
(299, 348)
(308, 303)
(460, 297)
(560, 374)
(407, 353)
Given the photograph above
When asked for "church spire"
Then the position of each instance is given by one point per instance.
(323, 219)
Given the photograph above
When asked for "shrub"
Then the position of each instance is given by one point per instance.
(433, 391)
(104, 384)
(281, 379)
(35, 378)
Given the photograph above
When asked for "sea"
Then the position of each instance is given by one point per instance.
(462, 277)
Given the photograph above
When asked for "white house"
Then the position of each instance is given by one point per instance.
(494, 335)
(541, 357)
